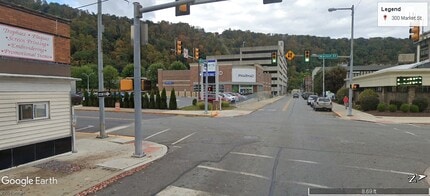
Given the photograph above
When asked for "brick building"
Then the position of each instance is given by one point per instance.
(35, 100)
(232, 78)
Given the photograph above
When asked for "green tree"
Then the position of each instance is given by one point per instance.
(145, 101)
(334, 79)
(177, 65)
(110, 77)
(157, 99)
(163, 99)
(152, 73)
(152, 104)
(82, 73)
(128, 71)
(126, 100)
(172, 103)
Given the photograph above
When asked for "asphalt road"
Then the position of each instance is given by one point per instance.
(282, 149)
(88, 121)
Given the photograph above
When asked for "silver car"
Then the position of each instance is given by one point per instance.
(323, 103)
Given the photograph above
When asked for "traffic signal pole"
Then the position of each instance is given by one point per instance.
(138, 11)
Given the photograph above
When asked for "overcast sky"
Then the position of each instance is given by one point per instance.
(293, 17)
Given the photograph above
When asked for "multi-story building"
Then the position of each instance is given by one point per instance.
(271, 58)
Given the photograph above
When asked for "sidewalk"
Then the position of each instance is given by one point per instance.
(341, 112)
(97, 163)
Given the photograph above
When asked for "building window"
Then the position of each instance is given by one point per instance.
(33, 111)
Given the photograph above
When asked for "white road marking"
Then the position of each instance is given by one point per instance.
(253, 155)
(356, 167)
(379, 170)
(396, 129)
(308, 184)
(234, 172)
(108, 118)
(182, 139)
(83, 128)
(160, 132)
(415, 125)
(411, 133)
(303, 161)
(118, 128)
(174, 190)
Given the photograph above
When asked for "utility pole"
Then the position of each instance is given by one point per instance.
(100, 70)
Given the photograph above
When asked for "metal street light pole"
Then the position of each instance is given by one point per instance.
(351, 55)
(88, 80)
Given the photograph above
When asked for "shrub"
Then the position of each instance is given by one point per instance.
(421, 102)
(145, 101)
(157, 100)
(172, 102)
(414, 108)
(369, 103)
(404, 107)
(367, 93)
(225, 104)
(163, 99)
(201, 105)
(126, 100)
(340, 94)
(152, 104)
(381, 107)
(131, 100)
(396, 102)
(392, 108)
(194, 102)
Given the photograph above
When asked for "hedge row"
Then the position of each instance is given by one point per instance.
(154, 100)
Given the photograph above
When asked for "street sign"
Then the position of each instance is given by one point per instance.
(327, 56)
(290, 55)
(103, 94)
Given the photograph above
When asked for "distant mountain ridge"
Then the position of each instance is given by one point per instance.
(118, 50)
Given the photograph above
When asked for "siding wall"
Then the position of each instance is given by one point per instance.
(22, 90)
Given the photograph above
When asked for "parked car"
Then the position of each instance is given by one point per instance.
(311, 99)
(235, 97)
(295, 95)
(226, 97)
(323, 103)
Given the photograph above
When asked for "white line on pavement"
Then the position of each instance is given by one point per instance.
(182, 139)
(160, 132)
(397, 129)
(411, 133)
(415, 125)
(174, 190)
(118, 128)
(233, 172)
(307, 184)
(379, 170)
(254, 155)
(303, 161)
(83, 128)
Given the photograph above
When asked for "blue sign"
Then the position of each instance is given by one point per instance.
(168, 82)
(210, 73)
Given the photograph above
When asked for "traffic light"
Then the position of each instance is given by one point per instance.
(196, 53)
(183, 9)
(307, 56)
(414, 32)
(178, 47)
(271, 1)
(274, 58)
